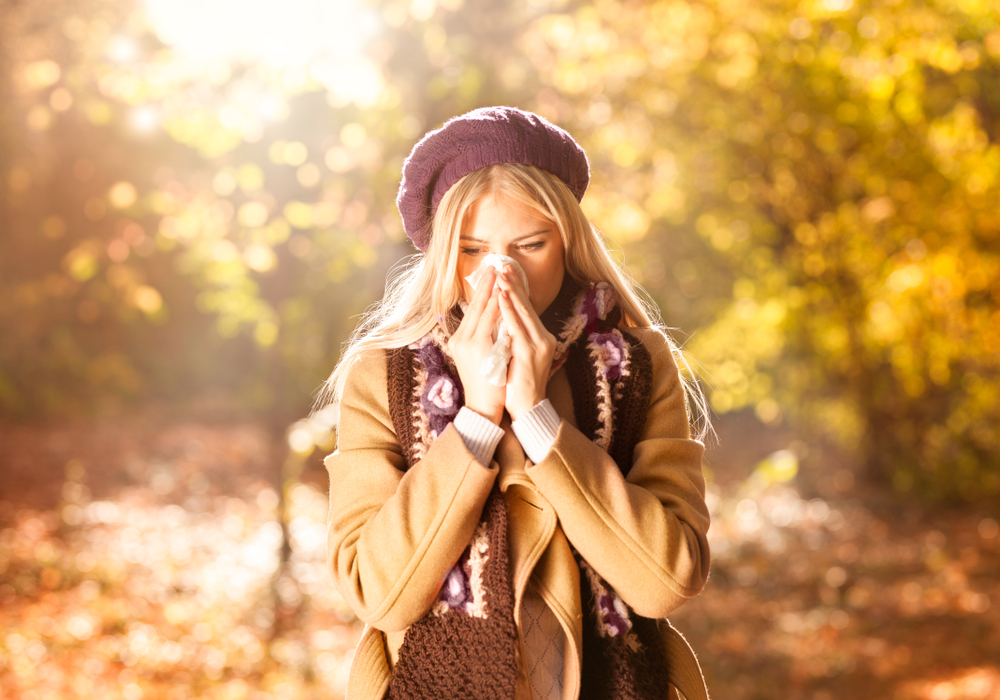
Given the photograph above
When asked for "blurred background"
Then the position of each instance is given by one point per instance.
(196, 203)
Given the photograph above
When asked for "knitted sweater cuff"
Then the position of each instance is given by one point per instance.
(536, 430)
(479, 434)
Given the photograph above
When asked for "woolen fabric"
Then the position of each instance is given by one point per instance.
(471, 634)
(398, 525)
(482, 137)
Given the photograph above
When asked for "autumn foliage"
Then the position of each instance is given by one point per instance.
(806, 189)
(196, 202)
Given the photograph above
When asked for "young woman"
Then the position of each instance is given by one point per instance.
(521, 541)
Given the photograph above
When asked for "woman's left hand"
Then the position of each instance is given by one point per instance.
(532, 347)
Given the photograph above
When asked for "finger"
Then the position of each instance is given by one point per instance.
(523, 308)
(480, 299)
(482, 332)
(510, 280)
(490, 315)
(481, 295)
(515, 324)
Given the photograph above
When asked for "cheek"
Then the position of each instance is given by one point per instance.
(464, 270)
(545, 278)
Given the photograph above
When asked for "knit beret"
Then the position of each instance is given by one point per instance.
(483, 137)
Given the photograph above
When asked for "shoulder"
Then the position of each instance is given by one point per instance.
(367, 369)
(365, 418)
(366, 385)
(667, 396)
(658, 344)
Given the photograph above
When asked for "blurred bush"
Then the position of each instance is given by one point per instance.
(807, 188)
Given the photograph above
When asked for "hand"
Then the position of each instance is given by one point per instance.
(470, 344)
(532, 347)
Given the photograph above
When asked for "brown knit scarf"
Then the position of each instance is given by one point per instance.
(464, 647)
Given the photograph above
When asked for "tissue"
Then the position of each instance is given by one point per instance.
(494, 367)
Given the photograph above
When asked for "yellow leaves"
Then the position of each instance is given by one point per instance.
(299, 214)
(363, 255)
(778, 467)
(800, 28)
(665, 200)
(881, 87)
(943, 55)
(288, 153)
(957, 133)
(575, 79)
(250, 177)
(884, 326)
(308, 175)
(252, 214)
(353, 135)
(559, 30)
(736, 74)
(265, 333)
(992, 43)
(259, 258)
(122, 195)
(742, 53)
(200, 128)
(878, 209)
(147, 299)
(806, 234)
(623, 220)
(81, 262)
(41, 74)
(224, 251)
(909, 107)
(905, 278)
(224, 183)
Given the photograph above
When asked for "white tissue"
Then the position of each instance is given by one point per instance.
(494, 367)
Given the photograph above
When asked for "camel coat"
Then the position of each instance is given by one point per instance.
(393, 535)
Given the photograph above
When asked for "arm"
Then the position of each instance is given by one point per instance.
(647, 534)
(393, 535)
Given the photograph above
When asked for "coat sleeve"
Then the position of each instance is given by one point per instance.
(646, 534)
(393, 534)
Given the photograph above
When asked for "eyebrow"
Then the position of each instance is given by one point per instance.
(540, 231)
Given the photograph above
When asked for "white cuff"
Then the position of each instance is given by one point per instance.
(537, 429)
(479, 434)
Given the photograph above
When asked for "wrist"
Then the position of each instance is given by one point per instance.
(517, 411)
(494, 416)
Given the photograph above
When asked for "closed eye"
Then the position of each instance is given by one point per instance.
(532, 246)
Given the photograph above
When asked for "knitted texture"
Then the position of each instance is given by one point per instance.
(454, 655)
(482, 137)
(613, 667)
(464, 649)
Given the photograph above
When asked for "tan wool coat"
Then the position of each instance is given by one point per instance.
(393, 535)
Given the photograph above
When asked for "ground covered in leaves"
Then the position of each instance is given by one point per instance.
(141, 557)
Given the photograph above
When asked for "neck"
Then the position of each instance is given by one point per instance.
(561, 307)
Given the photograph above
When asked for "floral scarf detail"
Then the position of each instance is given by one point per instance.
(443, 654)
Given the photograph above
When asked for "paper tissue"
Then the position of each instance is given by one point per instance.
(494, 367)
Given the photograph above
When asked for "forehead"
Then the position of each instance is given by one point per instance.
(499, 214)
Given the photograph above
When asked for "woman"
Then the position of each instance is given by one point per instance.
(525, 540)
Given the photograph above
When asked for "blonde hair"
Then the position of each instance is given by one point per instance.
(425, 288)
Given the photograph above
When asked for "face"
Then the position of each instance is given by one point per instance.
(498, 224)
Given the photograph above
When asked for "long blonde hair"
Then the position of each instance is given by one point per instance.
(425, 288)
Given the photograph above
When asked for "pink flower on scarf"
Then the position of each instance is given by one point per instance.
(612, 353)
(443, 394)
(604, 299)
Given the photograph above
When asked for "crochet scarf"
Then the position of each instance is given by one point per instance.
(465, 646)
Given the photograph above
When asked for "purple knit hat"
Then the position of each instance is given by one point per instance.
(483, 137)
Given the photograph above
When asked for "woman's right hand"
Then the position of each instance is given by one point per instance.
(470, 344)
